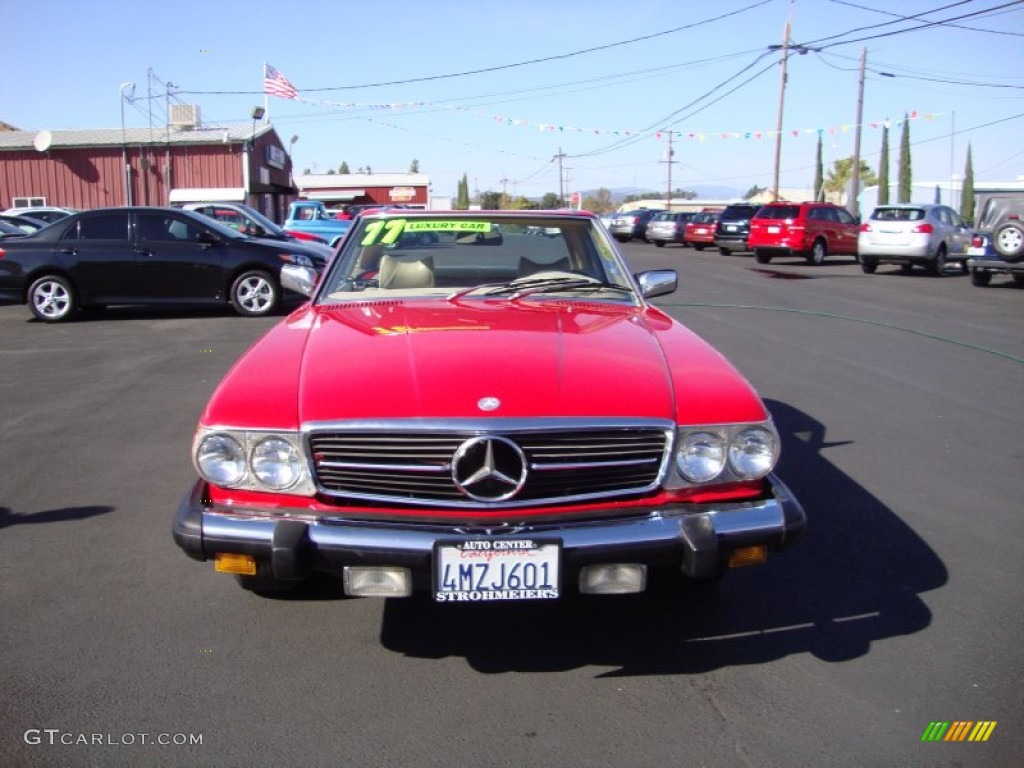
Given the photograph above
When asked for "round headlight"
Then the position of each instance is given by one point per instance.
(701, 456)
(752, 453)
(276, 463)
(221, 460)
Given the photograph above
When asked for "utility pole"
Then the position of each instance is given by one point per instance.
(668, 161)
(782, 102)
(855, 181)
(504, 190)
(561, 186)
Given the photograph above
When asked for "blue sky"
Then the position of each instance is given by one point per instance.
(702, 70)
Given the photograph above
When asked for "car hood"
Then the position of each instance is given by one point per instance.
(392, 359)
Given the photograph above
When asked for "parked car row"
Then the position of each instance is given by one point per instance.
(145, 255)
(911, 235)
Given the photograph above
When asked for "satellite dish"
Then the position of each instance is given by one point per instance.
(43, 140)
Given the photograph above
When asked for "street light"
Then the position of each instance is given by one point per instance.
(257, 114)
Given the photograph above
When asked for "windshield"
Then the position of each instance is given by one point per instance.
(778, 212)
(455, 256)
(898, 214)
(738, 212)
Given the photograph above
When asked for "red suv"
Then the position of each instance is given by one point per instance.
(808, 230)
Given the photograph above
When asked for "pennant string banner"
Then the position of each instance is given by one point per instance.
(551, 127)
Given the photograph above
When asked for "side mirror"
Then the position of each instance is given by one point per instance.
(302, 280)
(657, 282)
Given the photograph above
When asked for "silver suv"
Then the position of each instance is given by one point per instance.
(913, 234)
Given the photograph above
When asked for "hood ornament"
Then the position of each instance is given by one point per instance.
(488, 403)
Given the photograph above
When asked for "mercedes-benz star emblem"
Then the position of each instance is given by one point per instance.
(489, 468)
(488, 404)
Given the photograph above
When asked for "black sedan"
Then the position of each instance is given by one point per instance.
(144, 256)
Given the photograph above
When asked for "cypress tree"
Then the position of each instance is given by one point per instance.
(883, 168)
(967, 190)
(905, 173)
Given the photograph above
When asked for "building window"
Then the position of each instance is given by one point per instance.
(28, 202)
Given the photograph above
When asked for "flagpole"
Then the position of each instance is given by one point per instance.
(266, 96)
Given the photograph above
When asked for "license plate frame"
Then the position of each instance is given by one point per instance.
(497, 569)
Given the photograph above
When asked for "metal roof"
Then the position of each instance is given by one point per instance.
(112, 137)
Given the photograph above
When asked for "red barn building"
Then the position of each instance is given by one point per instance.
(142, 166)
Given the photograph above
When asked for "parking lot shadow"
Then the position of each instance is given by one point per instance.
(64, 514)
(856, 578)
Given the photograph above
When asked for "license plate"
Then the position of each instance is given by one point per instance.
(773, 230)
(972, 251)
(496, 569)
(730, 227)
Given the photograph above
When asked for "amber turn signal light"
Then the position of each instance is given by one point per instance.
(748, 556)
(244, 565)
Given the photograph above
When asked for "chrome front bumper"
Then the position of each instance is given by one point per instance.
(697, 538)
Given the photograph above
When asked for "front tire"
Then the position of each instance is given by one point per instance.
(724, 251)
(52, 299)
(762, 258)
(980, 277)
(938, 267)
(660, 243)
(255, 294)
(868, 267)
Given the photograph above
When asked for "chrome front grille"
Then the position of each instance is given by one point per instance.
(415, 467)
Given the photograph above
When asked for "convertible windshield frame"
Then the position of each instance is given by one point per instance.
(402, 254)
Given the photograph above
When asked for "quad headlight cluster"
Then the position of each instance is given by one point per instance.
(254, 461)
(727, 453)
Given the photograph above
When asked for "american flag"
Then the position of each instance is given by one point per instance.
(276, 84)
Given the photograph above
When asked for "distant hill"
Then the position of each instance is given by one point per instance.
(703, 193)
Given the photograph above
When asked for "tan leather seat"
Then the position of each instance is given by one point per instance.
(401, 271)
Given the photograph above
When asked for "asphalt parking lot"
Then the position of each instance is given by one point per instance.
(899, 402)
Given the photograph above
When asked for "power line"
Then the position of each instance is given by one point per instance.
(957, 26)
(485, 70)
(926, 25)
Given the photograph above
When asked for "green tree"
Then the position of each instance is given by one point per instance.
(343, 168)
(967, 190)
(753, 192)
(883, 168)
(462, 194)
(642, 196)
(819, 173)
(840, 174)
(905, 179)
(330, 171)
(550, 201)
(490, 201)
(415, 167)
(599, 203)
(522, 203)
